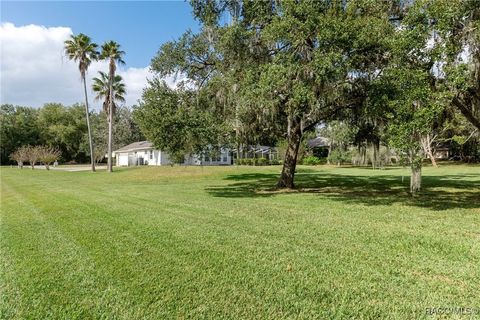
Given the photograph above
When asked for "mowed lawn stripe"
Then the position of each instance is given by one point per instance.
(50, 248)
(150, 245)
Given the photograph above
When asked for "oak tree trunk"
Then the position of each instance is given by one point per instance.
(432, 158)
(426, 142)
(415, 178)
(465, 104)
(290, 162)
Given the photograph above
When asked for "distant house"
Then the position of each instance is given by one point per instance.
(256, 151)
(144, 153)
(441, 153)
(320, 146)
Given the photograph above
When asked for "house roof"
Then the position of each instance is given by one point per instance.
(141, 145)
(318, 142)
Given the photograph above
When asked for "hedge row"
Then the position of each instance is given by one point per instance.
(256, 162)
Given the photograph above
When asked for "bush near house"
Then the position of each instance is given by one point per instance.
(311, 161)
(256, 162)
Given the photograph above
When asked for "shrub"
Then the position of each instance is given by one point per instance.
(47, 155)
(20, 156)
(339, 156)
(311, 161)
(261, 162)
(274, 162)
(33, 154)
(243, 162)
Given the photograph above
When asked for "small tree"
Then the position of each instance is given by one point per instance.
(33, 154)
(173, 122)
(47, 155)
(20, 156)
(100, 153)
(340, 136)
(339, 156)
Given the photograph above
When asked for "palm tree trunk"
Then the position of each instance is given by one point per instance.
(110, 117)
(110, 120)
(87, 114)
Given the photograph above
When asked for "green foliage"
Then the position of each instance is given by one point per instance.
(65, 128)
(339, 156)
(112, 53)
(101, 87)
(174, 122)
(261, 162)
(81, 49)
(282, 145)
(278, 69)
(311, 161)
(255, 162)
(18, 127)
(125, 131)
(339, 134)
(418, 97)
(275, 162)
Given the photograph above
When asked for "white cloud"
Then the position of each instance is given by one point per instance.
(35, 71)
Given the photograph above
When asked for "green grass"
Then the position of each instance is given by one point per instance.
(218, 242)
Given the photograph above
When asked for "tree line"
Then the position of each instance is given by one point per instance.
(65, 129)
(401, 73)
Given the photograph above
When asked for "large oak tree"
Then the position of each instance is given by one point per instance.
(291, 64)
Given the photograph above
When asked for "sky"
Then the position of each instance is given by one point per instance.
(33, 68)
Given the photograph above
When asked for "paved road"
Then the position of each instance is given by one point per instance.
(73, 168)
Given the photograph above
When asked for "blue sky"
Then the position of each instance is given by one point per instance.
(140, 26)
(34, 69)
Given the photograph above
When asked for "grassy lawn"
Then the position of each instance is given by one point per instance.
(217, 242)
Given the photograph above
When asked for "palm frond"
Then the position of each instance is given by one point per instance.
(100, 86)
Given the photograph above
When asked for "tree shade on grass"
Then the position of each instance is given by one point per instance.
(219, 242)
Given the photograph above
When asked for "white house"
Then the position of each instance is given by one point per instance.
(144, 153)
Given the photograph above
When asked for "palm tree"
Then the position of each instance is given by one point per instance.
(111, 52)
(80, 49)
(101, 86)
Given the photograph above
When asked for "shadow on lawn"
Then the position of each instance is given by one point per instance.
(438, 192)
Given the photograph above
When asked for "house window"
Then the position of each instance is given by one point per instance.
(151, 154)
(224, 159)
(207, 158)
